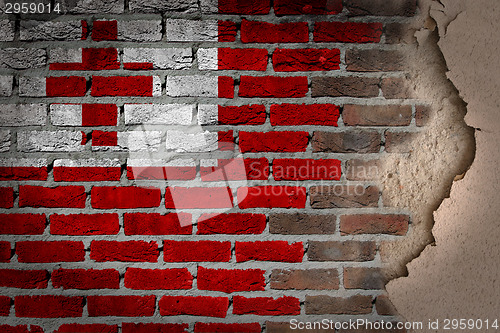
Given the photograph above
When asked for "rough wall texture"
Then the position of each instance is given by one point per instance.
(217, 166)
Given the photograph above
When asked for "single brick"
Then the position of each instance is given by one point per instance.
(266, 306)
(230, 280)
(198, 197)
(363, 169)
(398, 33)
(194, 306)
(243, 7)
(56, 197)
(304, 114)
(6, 197)
(86, 59)
(5, 302)
(240, 115)
(146, 169)
(181, 30)
(155, 114)
(84, 114)
(23, 114)
(6, 83)
(232, 59)
(263, 32)
(273, 86)
(346, 142)
(5, 251)
(269, 251)
(345, 86)
(374, 224)
(50, 141)
(22, 58)
(374, 60)
(400, 142)
(23, 169)
(86, 279)
(24, 279)
(301, 224)
(381, 7)
(84, 224)
(231, 224)
(298, 60)
(66, 86)
(422, 115)
(45, 252)
(344, 196)
(396, 88)
(354, 305)
(22, 224)
(84, 328)
(155, 58)
(180, 141)
(121, 306)
(155, 6)
(341, 251)
(228, 328)
(197, 251)
(129, 251)
(143, 86)
(234, 169)
(52, 30)
(363, 278)
(271, 197)
(7, 30)
(384, 306)
(67, 170)
(227, 31)
(314, 7)
(157, 224)
(282, 141)
(125, 197)
(48, 306)
(197, 86)
(151, 279)
(306, 169)
(156, 328)
(314, 279)
(347, 32)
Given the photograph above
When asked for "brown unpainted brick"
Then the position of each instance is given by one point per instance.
(392, 224)
(362, 170)
(396, 88)
(284, 327)
(384, 306)
(344, 86)
(301, 224)
(341, 251)
(366, 278)
(422, 115)
(374, 60)
(343, 196)
(314, 279)
(377, 115)
(346, 142)
(323, 304)
(400, 142)
(398, 33)
(381, 7)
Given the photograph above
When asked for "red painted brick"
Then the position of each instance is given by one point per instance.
(125, 197)
(130, 251)
(280, 142)
(236, 169)
(122, 86)
(84, 224)
(266, 306)
(20, 329)
(198, 197)
(269, 251)
(151, 279)
(5, 251)
(157, 224)
(315, 7)
(227, 31)
(101, 138)
(85, 29)
(99, 114)
(5, 305)
(165, 172)
(374, 224)
(194, 306)
(263, 32)
(242, 59)
(227, 328)
(297, 60)
(121, 306)
(226, 140)
(138, 66)
(347, 32)
(48, 306)
(273, 86)
(231, 224)
(154, 328)
(105, 30)
(252, 7)
(66, 86)
(86, 174)
(87, 328)
(242, 115)
(304, 169)
(93, 59)
(86, 279)
(22, 224)
(231, 280)
(304, 114)
(272, 197)
(56, 251)
(23, 279)
(23, 173)
(196, 251)
(225, 87)
(6, 197)
(56, 197)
